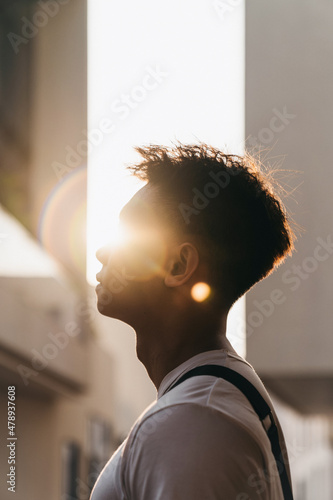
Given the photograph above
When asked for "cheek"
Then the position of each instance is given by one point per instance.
(140, 260)
(121, 298)
(145, 261)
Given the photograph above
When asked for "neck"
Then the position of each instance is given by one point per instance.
(163, 348)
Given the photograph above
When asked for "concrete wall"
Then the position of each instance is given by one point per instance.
(289, 78)
(59, 115)
(46, 421)
(95, 378)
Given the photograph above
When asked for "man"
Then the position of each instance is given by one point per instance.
(204, 229)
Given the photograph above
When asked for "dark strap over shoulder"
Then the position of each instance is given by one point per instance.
(259, 405)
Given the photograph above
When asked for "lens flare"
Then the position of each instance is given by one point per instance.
(62, 222)
(200, 292)
(144, 253)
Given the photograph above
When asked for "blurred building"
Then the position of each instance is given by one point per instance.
(70, 385)
(289, 119)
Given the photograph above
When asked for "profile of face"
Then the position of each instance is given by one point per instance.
(131, 280)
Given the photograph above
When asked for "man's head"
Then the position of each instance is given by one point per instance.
(202, 216)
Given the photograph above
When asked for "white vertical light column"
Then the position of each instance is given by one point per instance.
(159, 72)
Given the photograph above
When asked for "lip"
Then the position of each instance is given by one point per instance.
(99, 276)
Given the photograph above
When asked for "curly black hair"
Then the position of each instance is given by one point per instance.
(225, 201)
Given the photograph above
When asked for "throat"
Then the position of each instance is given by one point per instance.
(160, 355)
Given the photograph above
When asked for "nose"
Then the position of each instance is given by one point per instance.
(102, 254)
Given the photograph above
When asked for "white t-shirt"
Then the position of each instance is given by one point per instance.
(200, 441)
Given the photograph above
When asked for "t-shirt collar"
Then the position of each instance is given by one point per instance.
(207, 357)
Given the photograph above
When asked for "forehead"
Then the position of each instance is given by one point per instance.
(142, 207)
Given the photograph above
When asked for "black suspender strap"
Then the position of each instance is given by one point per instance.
(259, 405)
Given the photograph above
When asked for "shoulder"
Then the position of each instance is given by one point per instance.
(190, 423)
(187, 448)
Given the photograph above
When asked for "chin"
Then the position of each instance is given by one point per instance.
(108, 306)
(104, 299)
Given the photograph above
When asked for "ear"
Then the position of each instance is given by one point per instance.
(183, 263)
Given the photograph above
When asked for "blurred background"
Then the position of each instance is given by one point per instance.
(81, 83)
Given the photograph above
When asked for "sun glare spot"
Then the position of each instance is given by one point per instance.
(120, 236)
(200, 292)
